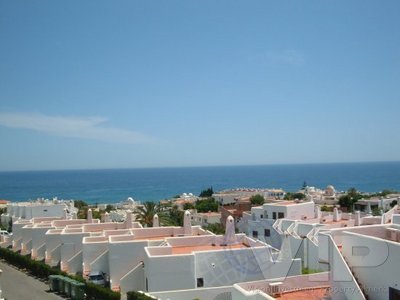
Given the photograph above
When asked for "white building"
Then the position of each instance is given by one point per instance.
(364, 261)
(212, 261)
(205, 219)
(37, 209)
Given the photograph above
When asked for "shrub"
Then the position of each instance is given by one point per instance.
(43, 271)
(137, 296)
(207, 193)
(207, 205)
(257, 199)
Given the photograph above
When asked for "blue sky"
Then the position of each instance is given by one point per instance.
(110, 84)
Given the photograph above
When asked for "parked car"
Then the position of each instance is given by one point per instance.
(5, 233)
(97, 278)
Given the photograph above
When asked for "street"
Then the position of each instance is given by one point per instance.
(16, 285)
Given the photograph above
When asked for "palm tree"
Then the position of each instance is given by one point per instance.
(145, 213)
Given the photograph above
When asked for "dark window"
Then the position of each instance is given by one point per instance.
(147, 285)
(267, 232)
(274, 215)
(255, 233)
(394, 294)
(44, 209)
(200, 282)
(261, 216)
(281, 215)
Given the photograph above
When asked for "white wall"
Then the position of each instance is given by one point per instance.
(123, 257)
(375, 262)
(39, 240)
(203, 293)
(71, 244)
(158, 272)
(91, 251)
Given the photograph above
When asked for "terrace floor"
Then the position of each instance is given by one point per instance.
(309, 294)
(195, 248)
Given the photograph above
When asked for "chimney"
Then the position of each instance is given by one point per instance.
(187, 226)
(106, 217)
(156, 221)
(230, 237)
(128, 220)
(89, 216)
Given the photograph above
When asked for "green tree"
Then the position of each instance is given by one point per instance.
(216, 228)
(304, 185)
(145, 213)
(175, 216)
(79, 204)
(292, 196)
(187, 206)
(109, 208)
(326, 208)
(257, 199)
(206, 205)
(351, 197)
(207, 193)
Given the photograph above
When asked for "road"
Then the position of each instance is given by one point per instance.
(16, 285)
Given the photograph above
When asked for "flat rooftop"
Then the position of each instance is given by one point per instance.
(197, 248)
(306, 294)
(150, 238)
(285, 203)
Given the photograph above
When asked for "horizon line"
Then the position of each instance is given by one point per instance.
(204, 166)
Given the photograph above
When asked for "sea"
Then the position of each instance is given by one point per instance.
(154, 184)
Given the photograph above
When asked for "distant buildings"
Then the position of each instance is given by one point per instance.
(280, 240)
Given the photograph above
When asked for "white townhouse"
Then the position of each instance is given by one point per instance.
(213, 261)
(121, 253)
(37, 209)
(364, 261)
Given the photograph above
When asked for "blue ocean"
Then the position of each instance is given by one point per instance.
(109, 186)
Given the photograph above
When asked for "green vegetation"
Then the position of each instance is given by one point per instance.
(257, 199)
(41, 270)
(109, 208)
(292, 196)
(310, 271)
(216, 228)
(326, 208)
(376, 211)
(144, 214)
(393, 203)
(206, 205)
(175, 217)
(207, 193)
(79, 204)
(350, 198)
(187, 206)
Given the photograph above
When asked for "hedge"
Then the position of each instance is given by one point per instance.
(137, 296)
(43, 271)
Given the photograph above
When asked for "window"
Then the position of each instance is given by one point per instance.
(261, 216)
(394, 294)
(147, 285)
(267, 232)
(255, 233)
(200, 282)
(274, 215)
(281, 215)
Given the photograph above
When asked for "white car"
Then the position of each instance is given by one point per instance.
(5, 233)
(97, 278)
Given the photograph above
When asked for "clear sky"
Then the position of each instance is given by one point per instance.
(110, 84)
